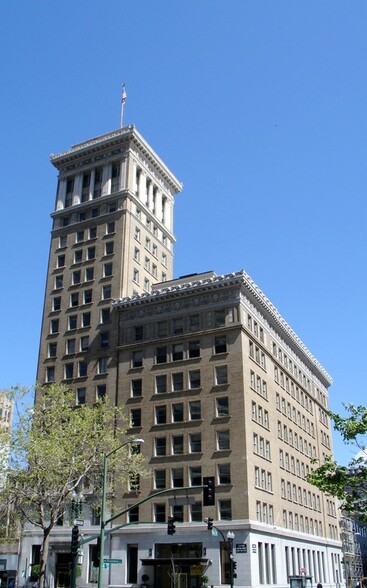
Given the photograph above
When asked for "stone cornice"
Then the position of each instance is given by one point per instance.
(116, 137)
(240, 279)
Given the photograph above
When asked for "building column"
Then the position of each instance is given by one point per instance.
(91, 184)
(142, 190)
(158, 205)
(123, 174)
(150, 195)
(106, 180)
(77, 192)
(61, 194)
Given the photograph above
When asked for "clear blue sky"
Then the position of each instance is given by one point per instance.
(259, 107)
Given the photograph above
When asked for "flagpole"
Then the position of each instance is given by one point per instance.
(123, 100)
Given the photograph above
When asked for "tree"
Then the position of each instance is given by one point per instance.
(55, 448)
(348, 483)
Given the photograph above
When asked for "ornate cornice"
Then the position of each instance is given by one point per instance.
(240, 279)
(113, 138)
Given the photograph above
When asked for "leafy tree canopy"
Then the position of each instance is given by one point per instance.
(55, 449)
(348, 483)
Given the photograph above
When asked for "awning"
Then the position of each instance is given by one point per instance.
(178, 561)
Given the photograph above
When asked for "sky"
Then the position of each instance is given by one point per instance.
(257, 106)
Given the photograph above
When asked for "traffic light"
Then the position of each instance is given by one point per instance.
(209, 491)
(209, 523)
(74, 541)
(96, 553)
(234, 568)
(171, 527)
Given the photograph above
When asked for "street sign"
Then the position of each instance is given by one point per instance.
(214, 532)
(78, 522)
(241, 548)
(109, 561)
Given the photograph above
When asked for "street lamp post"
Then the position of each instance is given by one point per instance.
(230, 537)
(103, 505)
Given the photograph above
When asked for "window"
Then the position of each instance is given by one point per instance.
(101, 391)
(102, 365)
(161, 384)
(59, 281)
(147, 264)
(79, 237)
(110, 228)
(177, 351)
(105, 339)
(83, 369)
(137, 254)
(52, 349)
(50, 373)
(220, 317)
(136, 387)
(194, 349)
(89, 274)
(162, 329)
(91, 252)
(74, 299)
(63, 241)
(54, 326)
(84, 343)
(137, 234)
(221, 375)
(81, 395)
(95, 212)
(106, 291)
(220, 344)
(154, 247)
(194, 322)
(138, 333)
(108, 248)
(87, 296)
(177, 412)
(164, 259)
(177, 382)
(160, 446)
(178, 326)
(56, 303)
(107, 270)
(93, 233)
(78, 255)
(177, 444)
(70, 346)
(105, 315)
(177, 478)
(194, 379)
(68, 371)
(224, 473)
(195, 476)
(160, 414)
(161, 354)
(86, 319)
(196, 512)
(223, 440)
(136, 275)
(222, 407)
(195, 410)
(159, 479)
(137, 358)
(195, 442)
(146, 284)
(225, 510)
(60, 261)
(135, 417)
(154, 270)
(160, 512)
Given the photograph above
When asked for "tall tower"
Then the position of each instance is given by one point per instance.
(112, 236)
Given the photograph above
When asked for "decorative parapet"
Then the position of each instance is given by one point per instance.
(241, 279)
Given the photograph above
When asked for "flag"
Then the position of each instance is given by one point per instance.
(123, 95)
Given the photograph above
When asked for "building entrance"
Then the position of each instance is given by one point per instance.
(177, 565)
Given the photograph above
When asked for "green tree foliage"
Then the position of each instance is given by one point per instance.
(348, 483)
(54, 450)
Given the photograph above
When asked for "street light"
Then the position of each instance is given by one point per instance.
(103, 506)
(230, 537)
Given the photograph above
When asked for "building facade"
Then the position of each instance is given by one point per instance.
(215, 381)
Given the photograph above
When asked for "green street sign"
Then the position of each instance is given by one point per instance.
(214, 532)
(110, 561)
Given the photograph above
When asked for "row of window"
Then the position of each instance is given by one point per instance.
(294, 466)
(91, 186)
(74, 345)
(79, 370)
(291, 366)
(257, 354)
(293, 390)
(258, 384)
(263, 479)
(161, 511)
(260, 415)
(180, 412)
(156, 233)
(261, 446)
(178, 351)
(79, 321)
(296, 494)
(179, 381)
(185, 444)
(290, 411)
(180, 325)
(153, 249)
(179, 477)
(295, 440)
(301, 523)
